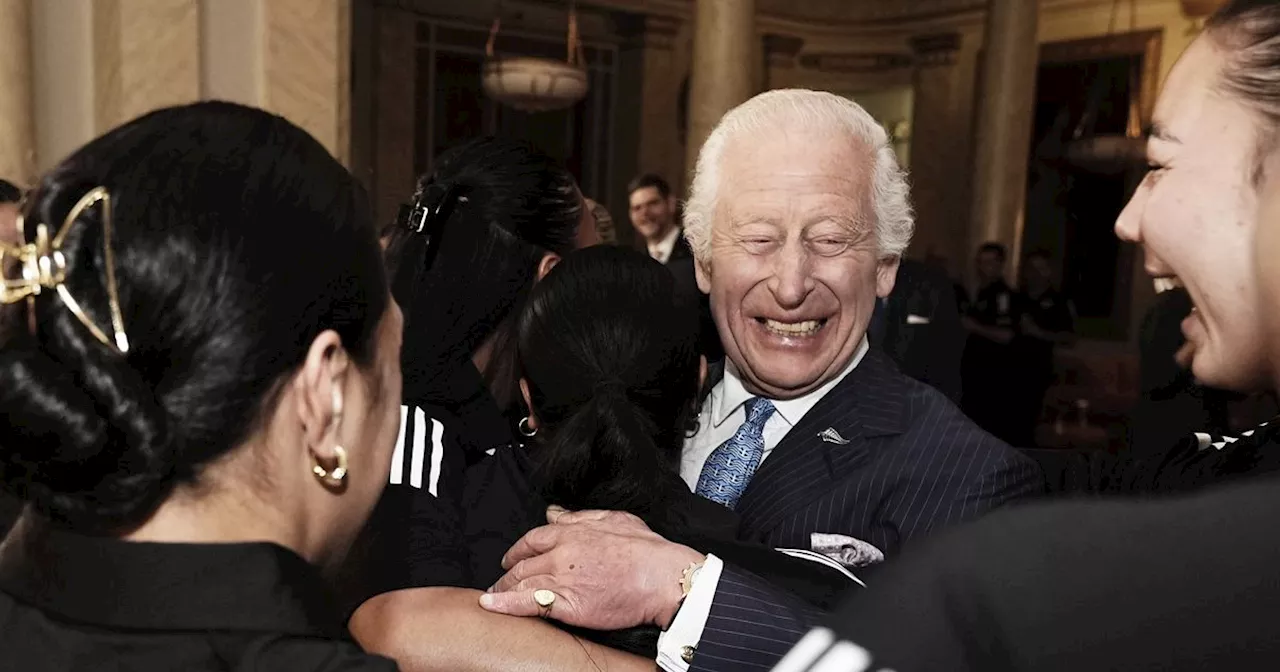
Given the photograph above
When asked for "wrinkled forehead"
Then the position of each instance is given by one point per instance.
(796, 169)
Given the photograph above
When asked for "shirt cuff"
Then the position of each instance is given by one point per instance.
(677, 646)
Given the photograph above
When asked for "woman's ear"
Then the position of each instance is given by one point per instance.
(528, 403)
(702, 371)
(549, 261)
(319, 397)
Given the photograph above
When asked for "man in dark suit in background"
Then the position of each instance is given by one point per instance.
(918, 326)
(653, 215)
(797, 219)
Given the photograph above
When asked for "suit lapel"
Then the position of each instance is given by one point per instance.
(865, 407)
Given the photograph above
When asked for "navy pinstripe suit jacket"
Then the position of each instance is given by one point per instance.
(913, 464)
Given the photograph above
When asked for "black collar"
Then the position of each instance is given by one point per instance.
(100, 581)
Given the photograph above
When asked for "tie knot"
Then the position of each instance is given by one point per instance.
(758, 410)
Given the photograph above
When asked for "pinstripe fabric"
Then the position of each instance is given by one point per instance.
(751, 626)
(914, 464)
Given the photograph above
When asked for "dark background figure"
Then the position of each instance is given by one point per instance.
(501, 214)
(918, 326)
(10, 196)
(1046, 321)
(986, 368)
(1172, 404)
(654, 214)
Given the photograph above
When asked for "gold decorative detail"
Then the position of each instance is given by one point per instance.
(545, 599)
(536, 84)
(43, 266)
(335, 477)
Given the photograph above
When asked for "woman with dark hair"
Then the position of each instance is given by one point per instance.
(608, 349)
(490, 221)
(202, 417)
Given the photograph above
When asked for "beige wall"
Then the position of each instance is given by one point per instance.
(97, 63)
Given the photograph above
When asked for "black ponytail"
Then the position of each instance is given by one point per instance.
(608, 349)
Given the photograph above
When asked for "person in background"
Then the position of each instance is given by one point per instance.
(204, 417)
(652, 207)
(653, 214)
(491, 219)
(1046, 322)
(991, 320)
(918, 326)
(1178, 584)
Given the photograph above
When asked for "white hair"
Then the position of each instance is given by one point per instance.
(803, 109)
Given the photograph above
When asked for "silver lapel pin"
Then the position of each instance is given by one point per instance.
(830, 435)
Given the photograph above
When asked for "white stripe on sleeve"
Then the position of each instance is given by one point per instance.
(397, 459)
(437, 456)
(419, 448)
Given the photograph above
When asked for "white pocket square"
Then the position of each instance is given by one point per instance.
(846, 550)
(917, 319)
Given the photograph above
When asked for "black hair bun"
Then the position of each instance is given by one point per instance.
(90, 451)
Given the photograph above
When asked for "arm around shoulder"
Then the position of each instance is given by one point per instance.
(429, 629)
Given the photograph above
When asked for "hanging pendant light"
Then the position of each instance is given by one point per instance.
(1108, 152)
(535, 84)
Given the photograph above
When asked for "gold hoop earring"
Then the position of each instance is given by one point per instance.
(335, 477)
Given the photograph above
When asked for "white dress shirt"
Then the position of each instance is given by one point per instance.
(722, 414)
(662, 249)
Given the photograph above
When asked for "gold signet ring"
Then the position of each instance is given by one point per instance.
(545, 599)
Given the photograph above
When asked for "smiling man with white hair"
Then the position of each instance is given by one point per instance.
(797, 219)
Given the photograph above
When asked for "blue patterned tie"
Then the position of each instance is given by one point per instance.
(730, 467)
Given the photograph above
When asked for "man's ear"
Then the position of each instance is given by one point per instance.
(702, 273)
(320, 393)
(887, 275)
(528, 403)
(549, 261)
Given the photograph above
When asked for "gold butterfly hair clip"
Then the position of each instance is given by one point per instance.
(42, 266)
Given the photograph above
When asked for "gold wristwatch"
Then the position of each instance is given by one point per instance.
(688, 576)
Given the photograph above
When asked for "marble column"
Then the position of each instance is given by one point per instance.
(940, 144)
(307, 67)
(1004, 122)
(724, 71)
(17, 129)
(146, 55)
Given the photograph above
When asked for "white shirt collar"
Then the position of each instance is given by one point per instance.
(662, 249)
(730, 394)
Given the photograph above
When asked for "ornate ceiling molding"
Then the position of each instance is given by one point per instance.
(855, 63)
(854, 16)
(936, 48)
